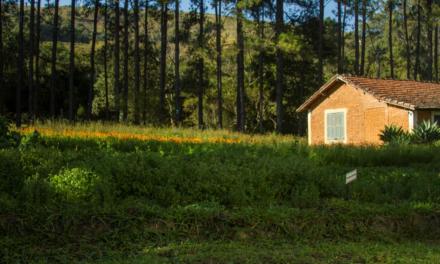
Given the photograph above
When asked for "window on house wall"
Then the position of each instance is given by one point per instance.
(335, 125)
(436, 117)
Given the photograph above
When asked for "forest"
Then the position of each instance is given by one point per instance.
(241, 65)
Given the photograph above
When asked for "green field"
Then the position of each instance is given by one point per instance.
(102, 193)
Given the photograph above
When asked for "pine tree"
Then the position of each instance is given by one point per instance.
(177, 63)
(31, 60)
(20, 65)
(125, 72)
(92, 61)
(53, 73)
(240, 69)
(390, 36)
(163, 57)
(218, 23)
(279, 25)
(137, 66)
(72, 61)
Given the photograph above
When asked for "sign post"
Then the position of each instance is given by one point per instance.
(349, 178)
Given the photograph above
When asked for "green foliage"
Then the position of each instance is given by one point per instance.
(426, 132)
(8, 138)
(394, 135)
(110, 196)
(78, 184)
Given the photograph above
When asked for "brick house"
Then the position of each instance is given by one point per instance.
(353, 110)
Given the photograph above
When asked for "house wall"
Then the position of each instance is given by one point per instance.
(366, 115)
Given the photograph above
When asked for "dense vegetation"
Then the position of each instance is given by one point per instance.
(69, 196)
(234, 64)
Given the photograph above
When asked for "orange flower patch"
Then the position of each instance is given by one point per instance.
(47, 132)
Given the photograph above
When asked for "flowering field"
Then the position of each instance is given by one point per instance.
(174, 135)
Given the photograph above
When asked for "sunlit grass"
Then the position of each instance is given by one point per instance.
(147, 133)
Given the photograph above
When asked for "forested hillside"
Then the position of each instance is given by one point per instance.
(245, 65)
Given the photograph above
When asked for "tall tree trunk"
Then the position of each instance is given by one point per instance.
(125, 92)
(116, 57)
(201, 66)
(279, 28)
(72, 61)
(344, 19)
(137, 65)
(363, 40)
(20, 65)
(177, 62)
(53, 78)
(356, 37)
(429, 37)
(390, 36)
(261, 69)
(107, 113)
(37, 59)
(146, 41)
(417, 64)
(436, 53)
(407, 44)
(1, 56)
(218, 22)
(339, 36)
(240, 70)
(321, 42)
(163, 57)
(31, 61)
(92, 62)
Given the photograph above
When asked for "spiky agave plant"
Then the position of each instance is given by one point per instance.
(427, 132)
(394, 134)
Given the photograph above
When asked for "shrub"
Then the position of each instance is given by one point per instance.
(394, 135)
(7, 138)
(426, 133)
(78, 184)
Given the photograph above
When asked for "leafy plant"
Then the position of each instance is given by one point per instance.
(394, 134)
(426, 132)
(8, 138)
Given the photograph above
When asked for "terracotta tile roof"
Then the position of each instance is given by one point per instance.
(407, 94)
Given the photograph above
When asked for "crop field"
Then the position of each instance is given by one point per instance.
(108, 193)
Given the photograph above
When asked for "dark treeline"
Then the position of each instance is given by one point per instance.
(243, 65)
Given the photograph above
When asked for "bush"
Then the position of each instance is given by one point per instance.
(8, 138)
(78, 184)
(426, 133)
(394, 135)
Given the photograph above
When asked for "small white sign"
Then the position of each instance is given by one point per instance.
(351, 176)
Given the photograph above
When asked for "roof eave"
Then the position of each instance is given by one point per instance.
(318, 93)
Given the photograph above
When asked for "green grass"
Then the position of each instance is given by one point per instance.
(267, 199)
(267, 251)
